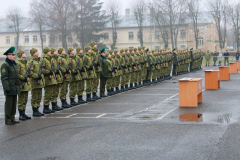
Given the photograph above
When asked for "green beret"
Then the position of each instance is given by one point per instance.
(126, 49)
(32, 51)
(10, 51)
(87, 48)
(111, 51)
(19, 54)
(103, 50)
(60, 50)
(78, 49)
(53, 50)
(70, 50)
(46, 50)
(115, 51)
(92, 43)
(135, 49)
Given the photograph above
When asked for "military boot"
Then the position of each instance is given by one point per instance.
(123, 89)
(26, 116)
(109, 92)
(92, 97)
(21, 116)
(89, 98)
(126, 87)
(131, 87)
(46, 109)
(55, 107)
(117, 90)
(96, 97)
(65, 104)
(73, 103)
(113, 92)
(80, 100)
(41, 114)
(36, 113)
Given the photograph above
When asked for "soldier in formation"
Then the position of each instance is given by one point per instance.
(60, 72)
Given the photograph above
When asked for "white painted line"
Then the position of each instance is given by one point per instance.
(167, 113)
(71, 115)
(100, 115)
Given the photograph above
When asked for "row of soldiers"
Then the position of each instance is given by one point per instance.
(58, 70)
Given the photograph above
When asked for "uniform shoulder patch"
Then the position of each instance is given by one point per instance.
(3, 70)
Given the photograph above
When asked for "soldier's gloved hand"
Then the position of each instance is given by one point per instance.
(8, 91)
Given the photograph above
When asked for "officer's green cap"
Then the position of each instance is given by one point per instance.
(20, 53)
(53, 50)
(174, 49)
(70, 50)
(32, 51)
(93, 43)
(191, 48)
(46, 50)
(10, 51)
(60, 50)
(103, 50)
(147, 50)
(78, 49)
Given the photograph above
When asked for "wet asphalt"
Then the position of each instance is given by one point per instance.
(144, 123)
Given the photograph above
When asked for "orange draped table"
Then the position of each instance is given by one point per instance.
(238, 62)
(224, 73)
(233, 68)
(212, 79)
(190, 92)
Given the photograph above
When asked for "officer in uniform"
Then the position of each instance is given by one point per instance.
(24, 74)
(215, 58)
(104, 73)
(11, 86)
(175, 62)
(192, 59)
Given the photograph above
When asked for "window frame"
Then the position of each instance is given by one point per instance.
(35, 39)
(181, 33)
(26, 37)
(132, 35)
(8, 39)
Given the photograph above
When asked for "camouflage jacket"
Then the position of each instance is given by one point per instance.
(22, 71)
(47, 64)
(34, 73)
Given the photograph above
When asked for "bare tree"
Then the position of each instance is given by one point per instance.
(194, 15)
(235, 18)
(219, 11)
(175, 12)
(37, 16)
(113, 12)
(59, 16)
(15, 14)
(138, 9)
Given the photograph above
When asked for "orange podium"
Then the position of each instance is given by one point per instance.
(238, 62)
(224, 73)
(212, 79)
(233, 68)
(190, 92)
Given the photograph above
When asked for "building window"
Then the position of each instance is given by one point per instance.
(106, 36)
(7, 39)
(26, 39)
(138, 35)
(183, 47)
(52, 38)
(182, 33)
(35, 39)
(157, 47)
(70, 39)
(130, 35)
(200, 40)
(44, 38)
(27, 53)
(131, 47)
(60, 38)
(157, 35)
(115, 35)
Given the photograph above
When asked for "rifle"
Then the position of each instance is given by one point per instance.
(92, 64)
(112, 67)
(130, 62)
(27, 74)
(157, 60)
(84, 62)
(58, 69)
(126, 63)
(121, 64)
(69, 66)
(40, 71)
(153, 62)
(116, 64)
(77, 69)
(52, 67)
(139, 63)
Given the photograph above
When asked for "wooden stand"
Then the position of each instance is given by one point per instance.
(212, 79)
(224, 73)
(238, 62)
(233, 68)
(190, 92)
(191, 117)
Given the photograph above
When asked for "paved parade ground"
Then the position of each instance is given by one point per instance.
(139, 124)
